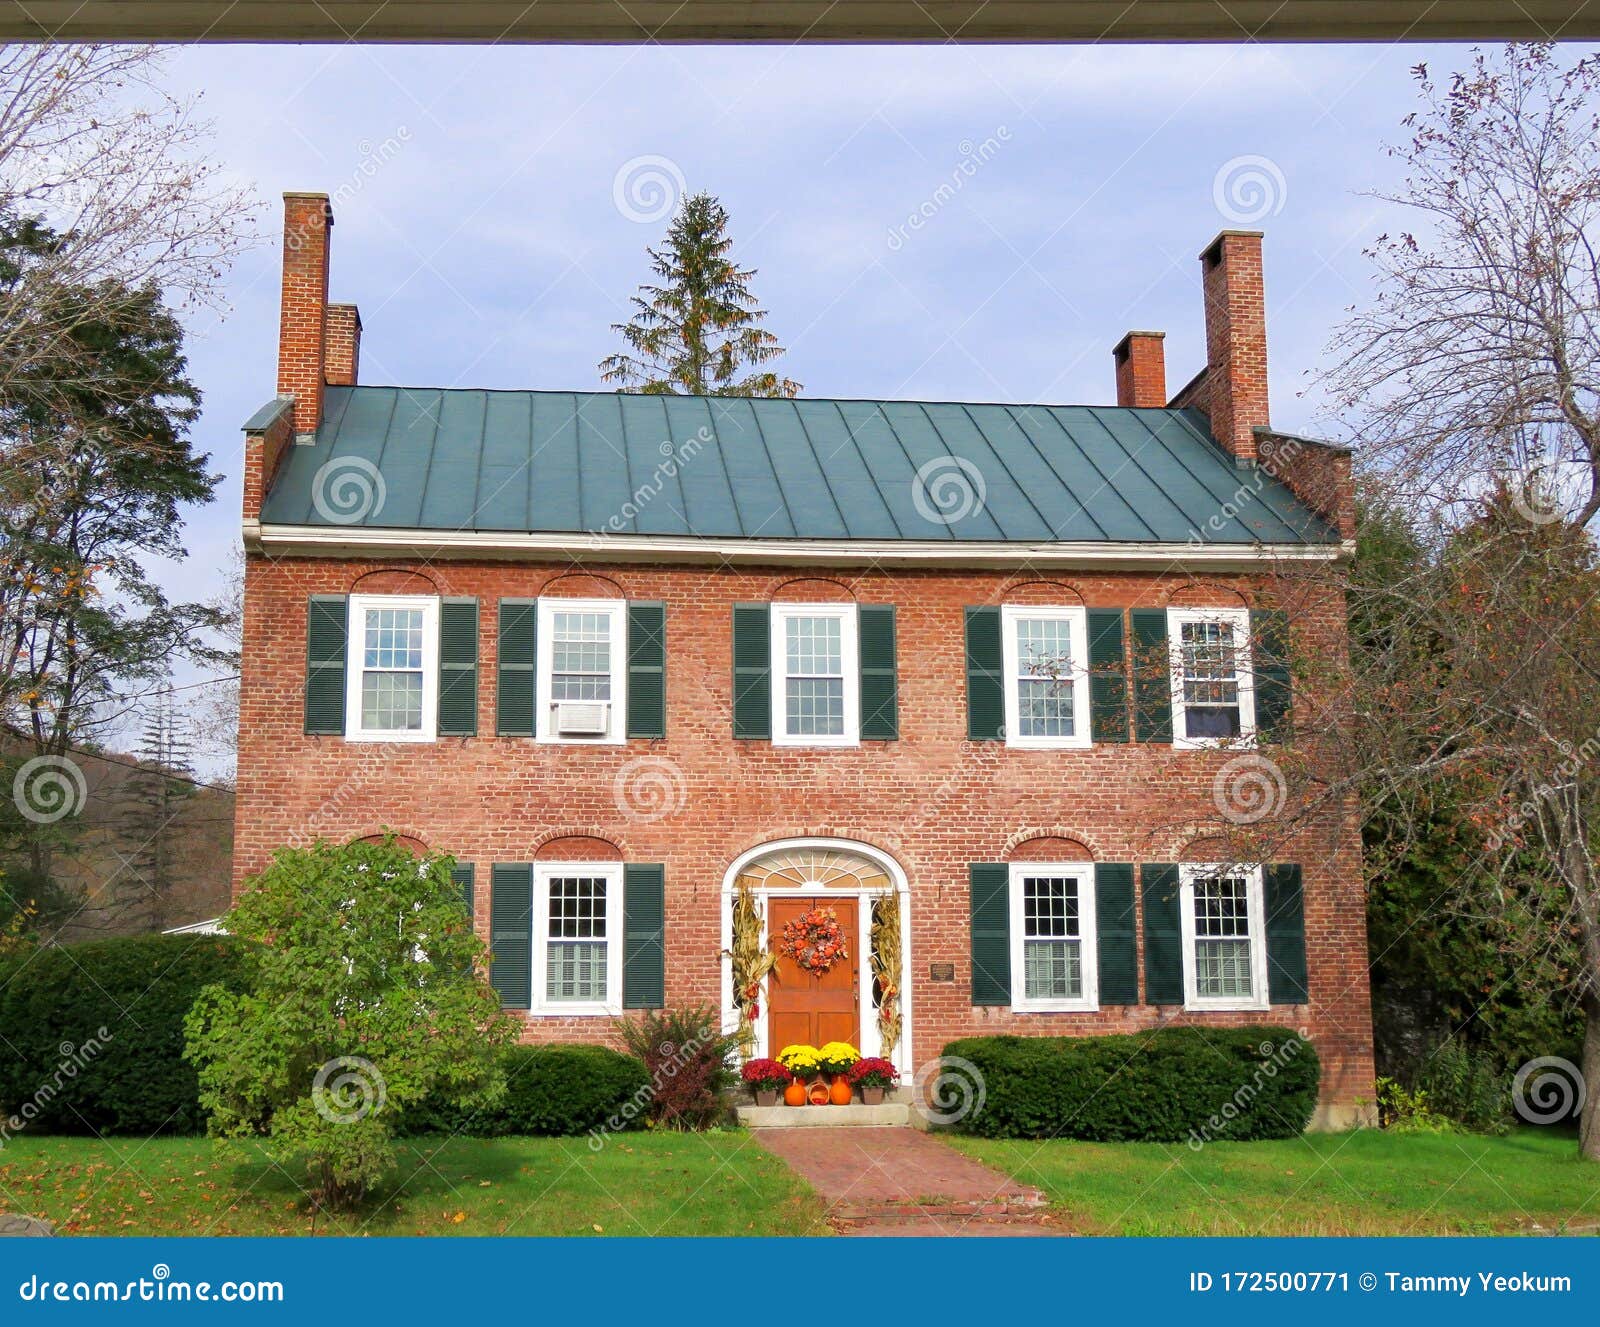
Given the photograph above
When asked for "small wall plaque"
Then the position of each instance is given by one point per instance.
(941, 972)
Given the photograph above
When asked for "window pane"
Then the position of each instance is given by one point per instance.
(580, 656)
(1222, 938)
(391, 702)
(1049, 907)
(1210, 679)
(812, 646)
(815, 706)
(578, 908)
(1044, 684)
(575, 970)
(1053, 969)
(393, 638)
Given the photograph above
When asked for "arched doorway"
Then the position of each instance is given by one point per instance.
(862, 886)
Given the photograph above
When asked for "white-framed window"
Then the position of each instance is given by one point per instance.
(577, 937)
(816, 676)
(1213, 696)
(392, 672)
(1053, 958)
(1224, 937)
(583, 675)
(1045, 654)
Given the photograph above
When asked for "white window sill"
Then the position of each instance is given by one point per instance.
(552, 740)
(821, 742)
(1244, 742)
(1056, 1007)
(401, 735)
(1050, 743)
(1198, 1006)
(575, 1009)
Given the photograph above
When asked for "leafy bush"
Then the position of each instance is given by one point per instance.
(686, 1054)
(1170, 1085)
(1404, 1111)
(365, 1000)
(60, 1072)
(1464, 1086)
(554, 1091)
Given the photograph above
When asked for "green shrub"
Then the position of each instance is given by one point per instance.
(1465, 1087)
(1184, 1084)
(687, 1055)
(60, 1073)
(555, 1091)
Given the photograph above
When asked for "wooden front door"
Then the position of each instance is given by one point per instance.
(805, 1008)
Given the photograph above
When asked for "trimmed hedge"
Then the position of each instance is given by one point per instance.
(1170, 1085)
(555, 1091)
(59, 1074)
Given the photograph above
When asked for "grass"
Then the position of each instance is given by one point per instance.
(636, 1184)
(1365, 1183)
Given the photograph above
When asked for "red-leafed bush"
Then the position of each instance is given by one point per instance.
(686, 1053)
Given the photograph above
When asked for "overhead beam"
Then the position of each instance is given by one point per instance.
(631, 21)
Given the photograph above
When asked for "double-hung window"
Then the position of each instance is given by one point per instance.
(1053, 936)
(392, 683)
(816, 668)
(1213, 699)
(1045, 654)
(1223, 937)
(577, 960)
(582, 646)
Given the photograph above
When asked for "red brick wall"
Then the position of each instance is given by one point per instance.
(307, 223)
(1236, 339)
(932, 800)
(263, 454)
(342, 333)
(1141, 362)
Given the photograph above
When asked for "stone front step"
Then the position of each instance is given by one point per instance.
(889, 1115)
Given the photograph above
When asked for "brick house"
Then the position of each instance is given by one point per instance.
(641, 662)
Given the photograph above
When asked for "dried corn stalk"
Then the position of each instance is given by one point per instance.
(751, 962)
(886, 967)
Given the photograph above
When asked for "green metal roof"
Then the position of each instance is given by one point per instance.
(555, 462)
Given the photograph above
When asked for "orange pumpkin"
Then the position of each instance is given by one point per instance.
(839, 1093)
(795, 1093)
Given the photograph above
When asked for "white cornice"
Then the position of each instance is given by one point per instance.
(351, 541)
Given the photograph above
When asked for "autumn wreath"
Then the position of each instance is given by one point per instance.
(814, 940)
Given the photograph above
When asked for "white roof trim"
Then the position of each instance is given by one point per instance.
(332, 541)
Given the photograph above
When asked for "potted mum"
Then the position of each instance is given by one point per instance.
(802, 1061)
(870, 1076)
(835, 1060)
(765, 1079)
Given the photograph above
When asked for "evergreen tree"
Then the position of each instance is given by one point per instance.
(151, 798)
(699, 329)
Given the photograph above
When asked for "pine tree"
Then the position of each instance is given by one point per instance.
(151, 798)
(699, 329)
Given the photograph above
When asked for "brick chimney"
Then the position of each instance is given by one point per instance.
(1236, 340)
(307, 222)
(1141, 369)
(342, 334)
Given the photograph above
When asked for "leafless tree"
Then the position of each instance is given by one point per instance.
(118, 170)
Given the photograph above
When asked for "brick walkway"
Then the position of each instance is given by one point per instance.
(892, 1181)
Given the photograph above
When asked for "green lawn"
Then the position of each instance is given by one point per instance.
(1365, 1183)
(637, 1184)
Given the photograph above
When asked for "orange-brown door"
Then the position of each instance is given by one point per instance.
(804, 1007)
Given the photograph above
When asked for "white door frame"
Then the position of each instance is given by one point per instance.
(870, 1037)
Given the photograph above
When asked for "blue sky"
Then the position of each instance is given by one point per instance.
(485, 228)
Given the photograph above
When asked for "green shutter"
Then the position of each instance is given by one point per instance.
(1152, 675)
(1108, 681)
(511, 935)
(458, 667)
(327, 639)
(644, 925)
(1163, 933)
(880, 720)
(462, 874)
(1115, 942)
(1269, 653)
(752, 670)
(517, 667)
(991, 933)
(1286, 935)
(647, 670)
(986, 698)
